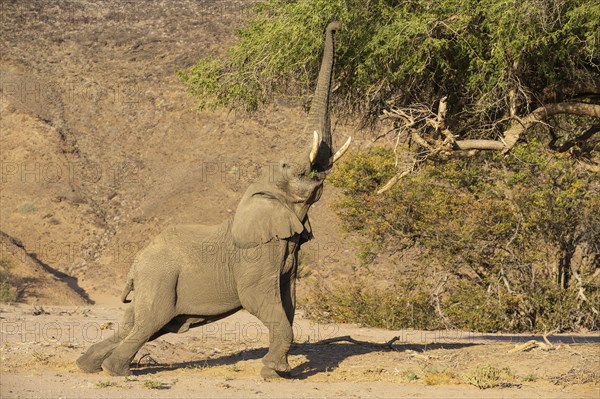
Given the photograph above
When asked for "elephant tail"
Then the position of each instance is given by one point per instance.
(128, 288)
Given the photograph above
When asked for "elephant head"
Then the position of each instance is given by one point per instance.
(276, 206)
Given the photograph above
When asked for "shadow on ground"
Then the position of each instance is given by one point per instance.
(321, 358)
(555, 339)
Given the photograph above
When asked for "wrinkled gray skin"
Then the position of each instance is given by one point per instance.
(191, 275)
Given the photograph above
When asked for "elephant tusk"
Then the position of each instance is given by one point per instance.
(315, 147)
(342, 150)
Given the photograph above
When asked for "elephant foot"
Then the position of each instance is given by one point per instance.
(269, 374)
(275, 369)
(88, 364)
(116, 369)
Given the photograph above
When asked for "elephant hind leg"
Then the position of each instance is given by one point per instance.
(91, 360)
(148, 322)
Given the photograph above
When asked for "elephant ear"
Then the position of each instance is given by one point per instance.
(262, 217)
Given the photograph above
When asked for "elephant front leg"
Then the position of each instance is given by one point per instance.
(281, 333)
(288, 293)
(280, 340)
(270, 311)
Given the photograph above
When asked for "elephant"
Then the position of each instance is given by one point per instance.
(191, 275)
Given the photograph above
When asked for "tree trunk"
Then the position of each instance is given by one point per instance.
(564, 264)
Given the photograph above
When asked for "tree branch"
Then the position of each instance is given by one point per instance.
(347, 338)
(544, 112)
(392, 182)
(519, 126)
(480, 145)
(438, 306)
(418, 120)
(567, 145)
(570, 90)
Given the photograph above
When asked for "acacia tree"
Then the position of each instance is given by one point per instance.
(448, 79)
(454, 75)
(499, 68)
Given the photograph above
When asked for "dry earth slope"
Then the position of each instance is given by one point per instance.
(102, 147)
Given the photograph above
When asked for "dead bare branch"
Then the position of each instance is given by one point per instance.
(533, 344)
(590, 167)
(544, 112)
(438, 306)
(581, 294)
(525, 347)
(398, 177)
(150, 360)
(426, 128)
(347, 338)
(419, 140)
(547, 334)
(466, 145)
(392, 182)
(505, 280)
(520, 125)
(567, 145)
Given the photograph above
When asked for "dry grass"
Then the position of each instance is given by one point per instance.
(488, 376)
(577, 376)
(433, 376)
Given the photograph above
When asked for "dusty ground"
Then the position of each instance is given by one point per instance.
(223, 360)
(101, 148)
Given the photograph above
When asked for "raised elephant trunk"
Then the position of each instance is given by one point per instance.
(318, 126)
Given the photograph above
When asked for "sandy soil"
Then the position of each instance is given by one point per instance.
(39, 346)
(102, 148)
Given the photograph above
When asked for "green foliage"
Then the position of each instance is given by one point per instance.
(411, 376)
(531, 377)
(9, 290)
(105, 384)
(494, 225)
(404, 52)
(360, 178)
(152, 383)
(26, 208)
(278, 51)
(405, 305)
(7, 293)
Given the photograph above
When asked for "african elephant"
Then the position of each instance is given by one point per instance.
(190, 275)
